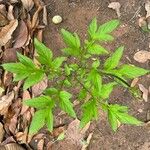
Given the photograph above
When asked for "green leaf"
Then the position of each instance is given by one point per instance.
(25, 61)
(108, 27)
(38, 121)
(67, 70)
(127, 119)
(49, 119)
(45, 54)
(107, 89)
(71, 51)
(33, 79)
(92, 28)
(95, 64)
(69, 39)
(119, 108)
(113, 61)
(15, 67)
(97, 50)
(96, 80)
(39, 102)
(78, 44)
(103, 37)
(57, 62)
(113, 121)
(65, 103)
(50, 91)
(90, 111)
(82, 94)
(131, 71)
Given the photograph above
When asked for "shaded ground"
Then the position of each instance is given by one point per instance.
(76, 16)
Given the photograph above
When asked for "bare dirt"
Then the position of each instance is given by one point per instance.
(76, 16)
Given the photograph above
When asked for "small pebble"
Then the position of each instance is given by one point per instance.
(57, 19)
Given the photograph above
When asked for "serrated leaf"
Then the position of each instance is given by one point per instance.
(131, 71)
(39, 102)
(97, 49)
(96, 80)
(107, 89)
(50, 91)
(57, 62)
(127, 119)
(78, 44)
(113, 121)
(38, 121)
(49, 119)
(33, 79)
(69, 39)
(25, 61)
(103, 37)
(82, 94)
(45, 54)
(92, 28)
(96, 64)
(119, 108)
(90, 111)
(113, 61)
(108, 27)
(71, 51)
(15, 67)
(65, 103)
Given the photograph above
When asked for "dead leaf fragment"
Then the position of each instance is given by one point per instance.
(147, 8)
(87, 141)
(22, 35)
(40, 145)
(2, 132)
(13, 124)
(45, 16)
(3, 20)
(74, 134)
(7, 31)
(5, 102)
(142, 56)
(37, 89)
(10, 15)
(144, 91)
(27, 4)
(116, 6)
(11, 146)
(134, 82)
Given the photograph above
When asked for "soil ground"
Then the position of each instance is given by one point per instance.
(76, 16)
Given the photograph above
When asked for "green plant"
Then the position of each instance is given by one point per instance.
(85, 71)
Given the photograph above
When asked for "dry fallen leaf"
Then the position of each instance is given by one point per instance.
(144, 91)
(22, 35)
(27, 4)
(116, 6)
(26, 95)
(10, 14)
(142, 56)
(13, 124)
(74, 134)
(84, 147)
(134, 82)
(11, 146)
(45, 16)
(40, 145)
(2, 132)
(5, 102)
(3, 20)
(147, 8)
(7, 31)
(37, 89)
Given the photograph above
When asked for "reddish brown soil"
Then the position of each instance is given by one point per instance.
(76, 16)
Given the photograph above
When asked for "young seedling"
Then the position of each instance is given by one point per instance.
(87, 72)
